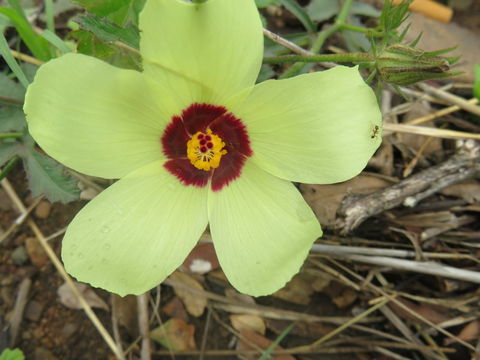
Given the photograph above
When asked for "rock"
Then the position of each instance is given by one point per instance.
(37, 255)
(19, 256)
(42, 211)
(34, 310)
(68, 330)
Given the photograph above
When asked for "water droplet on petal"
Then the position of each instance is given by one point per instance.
(107, 246)
(105, 229)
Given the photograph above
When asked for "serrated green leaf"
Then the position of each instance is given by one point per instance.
(102, 7)
(14, 354)
(300, 14)
(46, 176)
(91, 45)
(476, 84)
(120, 12)
(110, 32)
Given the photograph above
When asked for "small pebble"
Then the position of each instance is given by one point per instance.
(37, 255)
(42, 211)
(34, 310)
(19, 256)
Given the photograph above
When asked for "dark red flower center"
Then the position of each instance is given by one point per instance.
(206, 143)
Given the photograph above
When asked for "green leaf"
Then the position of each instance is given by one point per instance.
(121, 12)
(266, 72)
(11, 62)
(8, 150)
(110, 32)
(35, 43)
(265, 3)
(46, 176)
(14, 354)
(300, 14)
(12, 93)
(91, 45)
(12, 119)
(321, 10)
(11, 89)
(476, 84)
(102, 7)
(56, 41)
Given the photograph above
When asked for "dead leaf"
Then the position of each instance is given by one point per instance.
(68, 299)
(467, 190)
(427, 311)
(249, 322)
(237, 297)
(194, 303)
(325, 199)
(414, 141)
(202, 259)
(346, 298)
(304, 329)
(300, 288)
(175, 335)
(470, 332)
(261, 342)
(175, 309)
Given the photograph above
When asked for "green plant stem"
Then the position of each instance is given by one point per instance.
(198, 1)
(6, 169)
(320, 40)
(12, 135)
(349, 57)
(49, 15)
(367, 31)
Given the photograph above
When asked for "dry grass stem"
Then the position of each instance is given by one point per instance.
(58, 265)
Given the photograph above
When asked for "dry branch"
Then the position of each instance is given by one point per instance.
(463, 165)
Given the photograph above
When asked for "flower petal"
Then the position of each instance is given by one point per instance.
(136, 232)
(96, 118)
(218, 44)
(314, 128)
(262, 230)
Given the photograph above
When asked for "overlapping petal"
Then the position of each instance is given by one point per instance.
(96, 118)
(262, 230)
(217, 44)
(314, 128)
(136, 232)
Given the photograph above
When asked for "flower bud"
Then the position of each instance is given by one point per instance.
(404, 65)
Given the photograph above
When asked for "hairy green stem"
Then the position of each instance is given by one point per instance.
(12, 135)
(349, 57)
(321, 38)
(368, 32)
